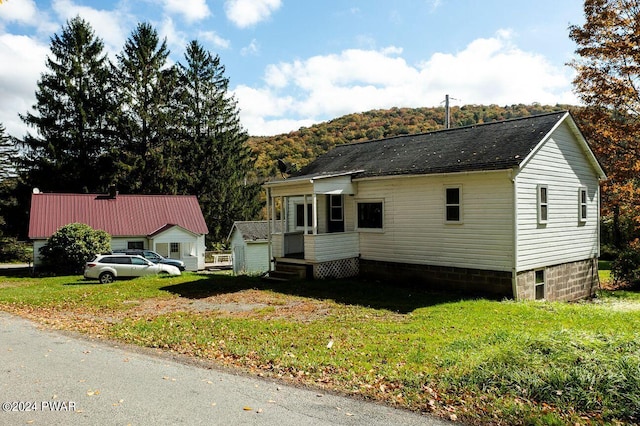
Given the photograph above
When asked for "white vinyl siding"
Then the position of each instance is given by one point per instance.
(414, 231)
(563, 167)
(334, 246)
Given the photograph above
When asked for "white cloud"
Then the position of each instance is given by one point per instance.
(176, 40)
(246, 13)
(22, 11)
(251, 49)
(217, 40)
(111, 26)
(22, 59)
(490, 70)
(191, 10)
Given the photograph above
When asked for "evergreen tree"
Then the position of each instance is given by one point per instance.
(146, 128)
(73, 106)
(8, 155)
(218, 167)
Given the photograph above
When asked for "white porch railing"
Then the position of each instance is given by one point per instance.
(218, 260)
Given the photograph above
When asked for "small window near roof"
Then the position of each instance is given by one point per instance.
(582, 204)
(453, 204)
(543, 204)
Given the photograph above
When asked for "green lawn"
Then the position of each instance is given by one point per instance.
(480, 361)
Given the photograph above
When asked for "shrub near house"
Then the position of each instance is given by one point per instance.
(71, 246)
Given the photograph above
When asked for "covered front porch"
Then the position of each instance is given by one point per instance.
(312, 225)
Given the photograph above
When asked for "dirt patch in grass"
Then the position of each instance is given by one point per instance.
(245, 303)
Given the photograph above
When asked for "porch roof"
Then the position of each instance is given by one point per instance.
(311, 178)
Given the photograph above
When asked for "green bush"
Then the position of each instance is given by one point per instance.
(626, 267)
(12, 250)
(72, 246)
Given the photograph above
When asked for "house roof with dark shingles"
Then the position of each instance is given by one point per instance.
(122, 215)
(491, 146)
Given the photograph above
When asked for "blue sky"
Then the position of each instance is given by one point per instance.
(293, 63)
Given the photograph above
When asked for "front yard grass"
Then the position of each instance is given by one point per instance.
(475, 360)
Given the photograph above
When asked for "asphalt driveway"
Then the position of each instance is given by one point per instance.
(52, 378)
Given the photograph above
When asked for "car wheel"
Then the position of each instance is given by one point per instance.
(106, 278)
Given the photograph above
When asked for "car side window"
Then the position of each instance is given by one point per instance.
(138, 261)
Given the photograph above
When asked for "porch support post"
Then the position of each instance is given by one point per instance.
(306, 214)
(282, 216)
(269, 230)
(315, 213)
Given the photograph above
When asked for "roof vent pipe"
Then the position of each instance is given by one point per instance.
(113, 192)
(447, 113)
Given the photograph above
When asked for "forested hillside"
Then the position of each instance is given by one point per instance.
(300, 147)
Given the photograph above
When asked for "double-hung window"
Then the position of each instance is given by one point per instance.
(543, 204)
(453, 204)
(582, 204)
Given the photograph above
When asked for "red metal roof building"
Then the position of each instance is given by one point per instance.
(127, 218)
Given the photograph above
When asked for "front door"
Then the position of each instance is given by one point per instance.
(174, 250)
(335, 214)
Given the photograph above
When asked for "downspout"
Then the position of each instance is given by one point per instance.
(514, 269)
(269, 230)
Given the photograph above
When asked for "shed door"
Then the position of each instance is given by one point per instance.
(238, 260)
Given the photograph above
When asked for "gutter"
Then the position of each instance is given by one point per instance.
(514, 269)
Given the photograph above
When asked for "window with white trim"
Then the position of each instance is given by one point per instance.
(370, 215)
(335, 208)
(453, 204)
(540, 284)
(543, 204)
(582, 204)
(300, 215)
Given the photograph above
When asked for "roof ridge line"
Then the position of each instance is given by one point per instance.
(470, 126)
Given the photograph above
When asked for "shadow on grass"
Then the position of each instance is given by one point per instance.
(377, 295)
(13, 271)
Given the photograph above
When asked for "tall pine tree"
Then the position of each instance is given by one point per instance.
(8, 154)
(146, 126)
(218, 165)
(73, 104)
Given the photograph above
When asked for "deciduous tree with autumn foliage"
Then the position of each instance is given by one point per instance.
(607, 82)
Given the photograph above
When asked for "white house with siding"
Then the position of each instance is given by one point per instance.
(509, 209)
(171, 225)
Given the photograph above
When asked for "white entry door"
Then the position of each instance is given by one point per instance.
(174, 250)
